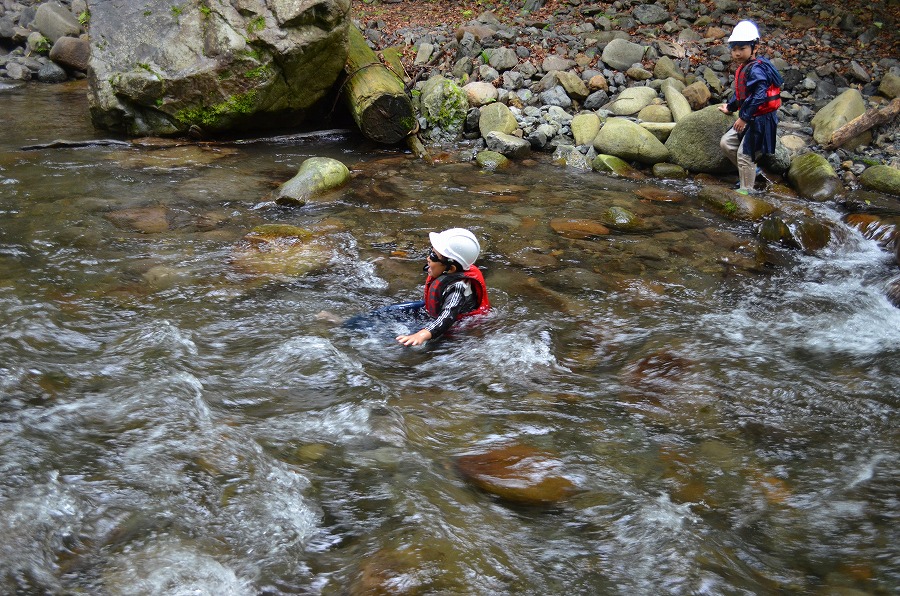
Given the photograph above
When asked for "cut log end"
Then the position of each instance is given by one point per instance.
(388, 119)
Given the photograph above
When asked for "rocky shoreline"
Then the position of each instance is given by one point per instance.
(627, 88)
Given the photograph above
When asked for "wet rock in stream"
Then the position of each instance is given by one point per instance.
(518, 474)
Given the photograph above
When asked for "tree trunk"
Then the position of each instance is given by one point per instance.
(375, 95)
(861, 124)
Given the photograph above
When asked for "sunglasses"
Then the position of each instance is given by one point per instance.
(432, 256)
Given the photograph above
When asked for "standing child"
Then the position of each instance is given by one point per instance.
(454, 287)
(757, 89)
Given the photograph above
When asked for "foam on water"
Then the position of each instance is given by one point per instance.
(826, 305)
(172, 567)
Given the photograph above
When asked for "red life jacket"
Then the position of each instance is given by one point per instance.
(773, 93)
(434, 291)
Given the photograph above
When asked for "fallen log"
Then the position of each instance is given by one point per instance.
(65, 144)
(864, 122)
(375, 95)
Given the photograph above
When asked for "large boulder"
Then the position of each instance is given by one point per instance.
(814, 178)
(839, 111)
(630, 141)
(882, 178)
(156, 68)
(694, 142)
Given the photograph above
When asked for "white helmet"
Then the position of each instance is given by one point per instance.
(744, 32)
(458, 244)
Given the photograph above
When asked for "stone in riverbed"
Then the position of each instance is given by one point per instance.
(839, 111)
(882, 178)
(496, 117)
(518, 474)
(316, 176)
(814, 178)
(578, 228)
(611, 164)
(694, 142)
(146, 220)
(735, 205)
(281, 251)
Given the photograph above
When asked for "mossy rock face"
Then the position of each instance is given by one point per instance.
(491, 160)
(212, 66)
(882, 179)
(814, 178)
(316, 176)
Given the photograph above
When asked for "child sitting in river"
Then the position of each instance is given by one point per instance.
(454, 287)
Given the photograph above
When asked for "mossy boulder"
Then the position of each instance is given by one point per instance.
(316, 176)
(491, 160)
(444, 105)
(814, 178)
(882, 179)
(694, 142)
(734, 205)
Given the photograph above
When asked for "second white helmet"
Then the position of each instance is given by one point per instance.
(744, 32)
(458, 244)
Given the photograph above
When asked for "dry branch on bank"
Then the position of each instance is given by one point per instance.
(862, 123)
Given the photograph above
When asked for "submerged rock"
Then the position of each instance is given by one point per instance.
(146, 220)
(280, 250)
(578, 228)
(517, 473)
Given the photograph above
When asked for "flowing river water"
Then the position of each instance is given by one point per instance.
(173, 423)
